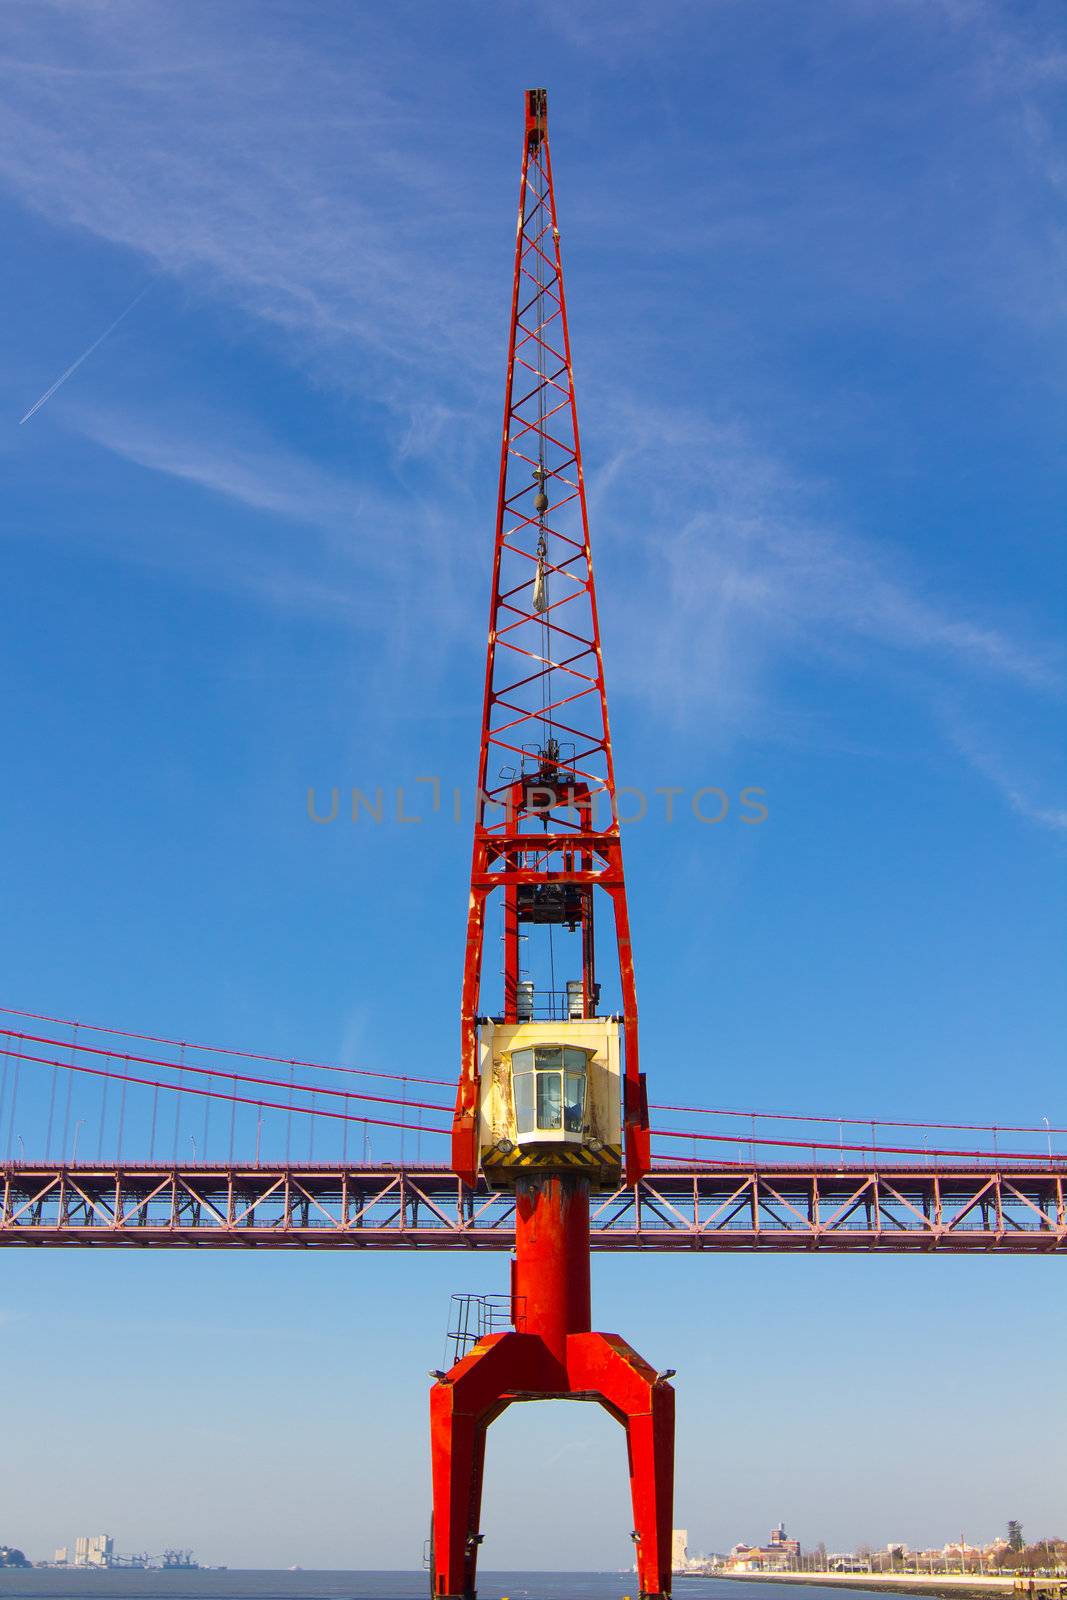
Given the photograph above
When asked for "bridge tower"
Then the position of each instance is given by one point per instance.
(551, 1102)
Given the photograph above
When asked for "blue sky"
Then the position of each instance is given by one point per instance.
(815, 264)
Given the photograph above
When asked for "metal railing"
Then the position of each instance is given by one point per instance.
(472, 1316)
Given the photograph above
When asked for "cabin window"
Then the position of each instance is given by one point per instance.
(549, 1085)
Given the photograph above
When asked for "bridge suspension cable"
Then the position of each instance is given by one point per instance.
(297, 1092)
(867, 1149)
(859, 1122)
(220, 1050)
(209, 1072)
(293, 1107)
(218, 1094)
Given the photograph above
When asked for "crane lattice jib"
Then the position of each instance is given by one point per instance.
(546, 833)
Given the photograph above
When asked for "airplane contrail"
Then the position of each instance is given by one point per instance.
(84, 356)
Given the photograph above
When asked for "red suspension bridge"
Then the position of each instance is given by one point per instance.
(113, 1137)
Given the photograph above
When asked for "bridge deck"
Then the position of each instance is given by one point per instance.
(388, 1207)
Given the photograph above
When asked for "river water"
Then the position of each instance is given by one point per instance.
(43, 1584)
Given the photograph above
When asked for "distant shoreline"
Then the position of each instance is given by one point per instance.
(939, 1584)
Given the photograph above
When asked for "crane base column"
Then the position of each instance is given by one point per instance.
(508, 1367)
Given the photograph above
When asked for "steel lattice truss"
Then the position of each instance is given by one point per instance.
(546, 818)
(545, 674)
(402, 1208)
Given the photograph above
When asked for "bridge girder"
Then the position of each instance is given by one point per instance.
(875, 1210)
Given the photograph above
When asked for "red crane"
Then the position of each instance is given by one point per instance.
(551, 1102)
(546, 830)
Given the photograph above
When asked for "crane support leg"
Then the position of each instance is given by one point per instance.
(552, 1355)
(603, 1365)
(458, 1457)
(462, 1405)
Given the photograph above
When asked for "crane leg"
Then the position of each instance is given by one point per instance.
(462, 1405)
(509, 1366)
(458, 1459)
(604, 1365)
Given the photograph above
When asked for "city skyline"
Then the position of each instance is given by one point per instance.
(789, 1553)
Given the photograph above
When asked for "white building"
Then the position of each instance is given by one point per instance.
(94, 1550)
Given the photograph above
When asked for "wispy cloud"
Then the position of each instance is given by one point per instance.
(293, 183)
(726, 575)
(302, 186)
(305, 186)
(729, 575)
(981, 752)
(321, 544)
(717, 563)
(717, 587)
(260, 474)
